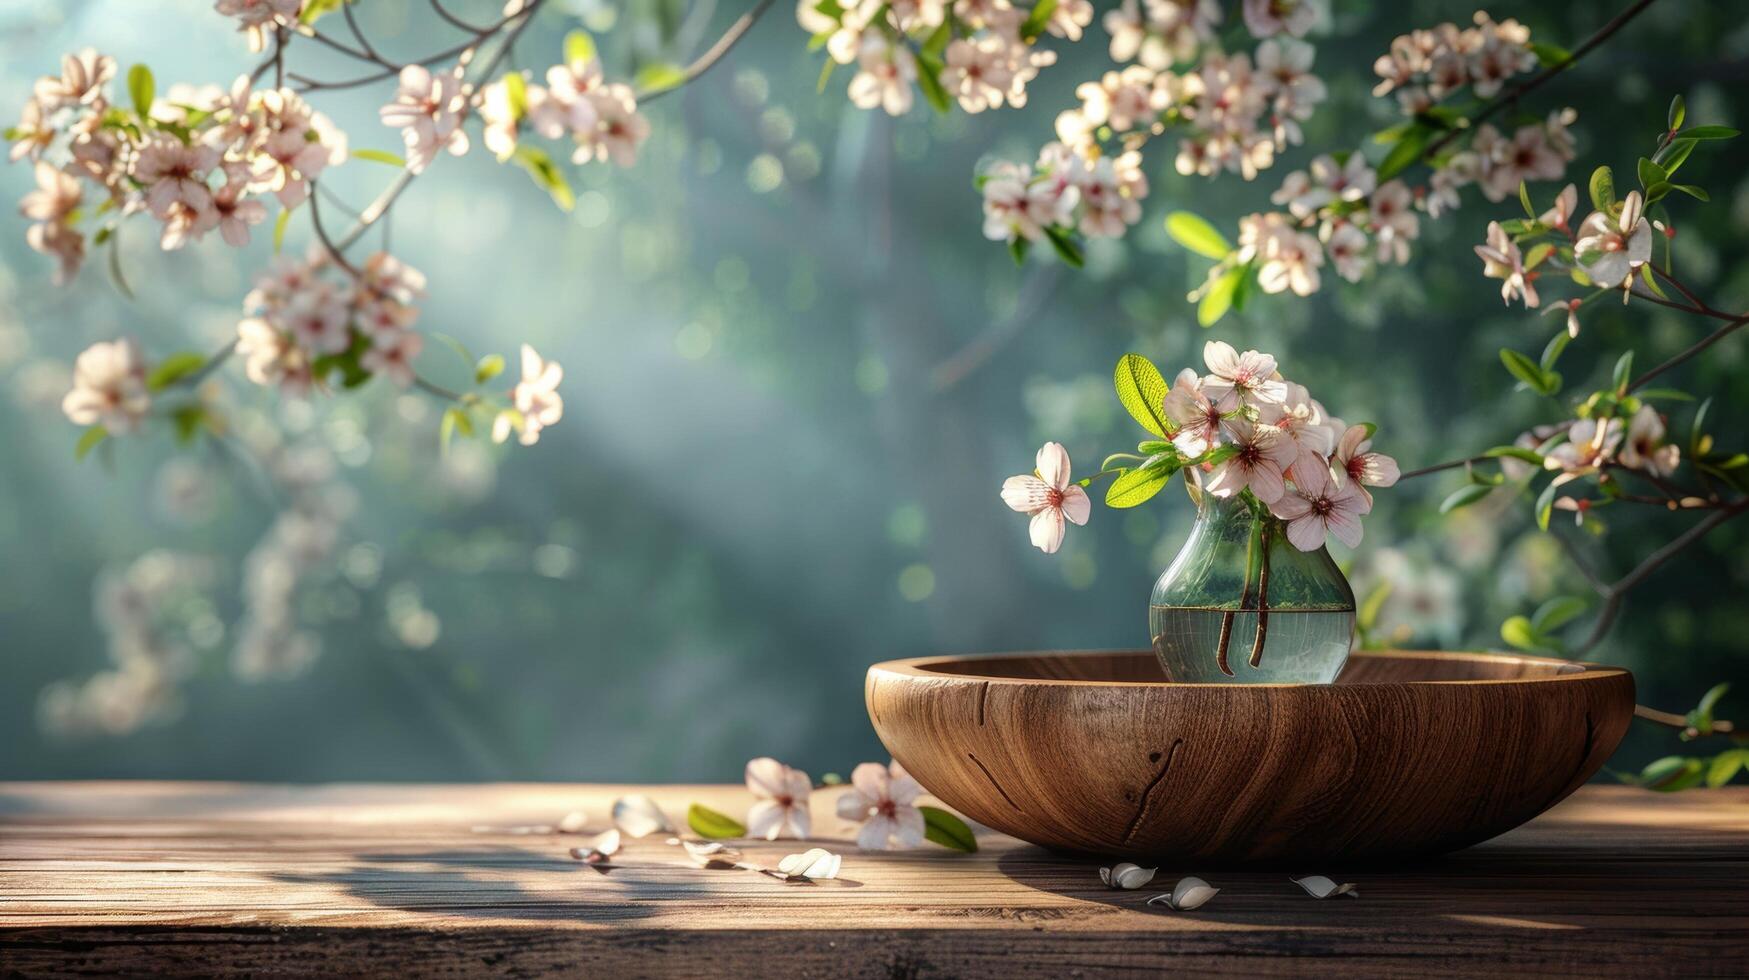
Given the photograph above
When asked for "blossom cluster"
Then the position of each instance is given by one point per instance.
(1063, 193)
(1607, 249)
(882, 799)
(197, 160)
(306, 317)
(1426, 66)
(980, 53)
(1241, 428)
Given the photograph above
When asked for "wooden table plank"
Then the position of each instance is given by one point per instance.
(229, 878)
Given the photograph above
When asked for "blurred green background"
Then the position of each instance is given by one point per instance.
(796, 375)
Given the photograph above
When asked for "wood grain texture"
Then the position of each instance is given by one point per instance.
(214, 879)
(1407, 753)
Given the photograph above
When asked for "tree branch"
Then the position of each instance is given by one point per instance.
(1513, 93)
(715, 52)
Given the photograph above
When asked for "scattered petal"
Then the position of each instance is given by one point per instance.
(639, 816)
(1126, 876)
(1188, 894)
(601, 847)
(711, 853)
(814, 863)
(1319, 886)
(573, 822)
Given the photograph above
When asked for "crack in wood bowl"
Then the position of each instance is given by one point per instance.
(1407, 753)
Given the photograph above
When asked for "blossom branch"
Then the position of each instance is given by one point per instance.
(1531, 84)
(1719, 727)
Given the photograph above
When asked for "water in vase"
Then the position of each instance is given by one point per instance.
(1300, 646)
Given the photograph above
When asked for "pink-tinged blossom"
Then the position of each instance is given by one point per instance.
(1263, 453)
(173, 173)
(1355, 458)
(780, 808)
(1018, 207)
(428, 110)
(1249, 378)
(1502, 260)
(1610, 249)
(57, 194)
(391, 355)
(1350, 251)
(1320, 503)
(1051, 497)
(32, 135)
(259, 18)
(1645, 448)
(1392, 220)
(63, 243)
(1301, 418)
(618, 131)
(1589, 445)
(1566, 205)
(498, 120)
(1196, 420)
(1069, 18)
(976, 73)
(81, 81)
(383, 275)
(1267, 18)
(884, 800)
(535, 398)
(318, 318)
(884, 75)
(1571, 309)
(271, 357)
(109, 387)
(235, 214)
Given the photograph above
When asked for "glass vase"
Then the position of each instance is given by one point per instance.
(1241, 604)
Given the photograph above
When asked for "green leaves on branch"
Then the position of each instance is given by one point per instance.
(173, 369)
(1220, 295)
(1066, 247)
(1700, 719)
(1535, 633)
(1534, 376)
(1464, 496)
(947, 830)
(1138, 486)
(1035, 22)
(710, 824)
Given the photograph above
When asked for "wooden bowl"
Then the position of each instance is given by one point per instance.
(1407, 753)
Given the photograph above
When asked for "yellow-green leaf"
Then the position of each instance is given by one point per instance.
(1137, 486)
(380, 156)
(706, 822)
(579, 46)
(142, 90)
(173, 369)
(89, 440)
(489, 367)
(279, 229)
(1142, 391)
(545, 173)
(1218, 298)
(1199, 236)
(660, 77)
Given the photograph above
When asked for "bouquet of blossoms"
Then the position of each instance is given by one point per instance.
(1240, 430)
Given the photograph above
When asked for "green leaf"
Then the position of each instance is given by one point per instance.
(546, 174)
(929, 70)
(1550, 55)
(1405, 153)
(454, 420)
(189, 420)
(1703, 712)
(1545, 505)
(1650, 174)
(1142, 391)
(1556, 345)
(1138, 486)
(1725, 765)
(1674, 155)
(1196, 234)
(947, 830)
(516, 91)
(1602, 188)
(1624, 371)
(1516, 452)
(1524, 199)
(89, 440)
(1066, 247)
(142, 89)
(1035, 22)
(937, 42)
(1538, 253)
(1651, 284)
(1526, 370)
(279, 225)
(1464, 496)
(1018, 247)
(579, 46)
(1518, 632)
(1709, 133)
(489, 367)
(1219, 297)
(1678, 113)
(1672, 774)
(659, 77)
(380, 156)
(1673, 394)
(173, 369)
(1556, 613)
(706, 822)
(826, 71)
(1693, 191)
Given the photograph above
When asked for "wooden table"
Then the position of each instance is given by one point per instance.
(219, 878)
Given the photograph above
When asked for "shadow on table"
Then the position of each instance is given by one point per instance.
(511, 883)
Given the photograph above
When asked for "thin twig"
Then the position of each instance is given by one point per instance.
(1613, 598)
(977, 352)
(715, 52)
(1720, 727)
(352, 25)
(322, 235)
(457, 22)
(1512, 94)
(1705, 342)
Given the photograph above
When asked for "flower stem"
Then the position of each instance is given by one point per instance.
(1262, 599)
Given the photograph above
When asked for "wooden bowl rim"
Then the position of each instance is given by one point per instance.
(920, 667)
